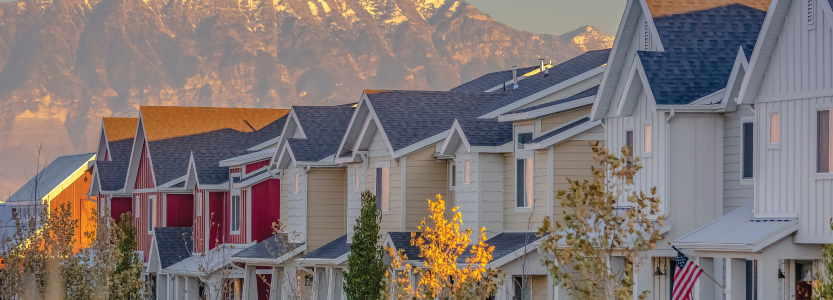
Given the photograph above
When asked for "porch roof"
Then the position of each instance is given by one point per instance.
(739, 230)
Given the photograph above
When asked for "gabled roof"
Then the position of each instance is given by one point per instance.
(323, 126)
(62, 170)
(170, 157)
(173, 244)
(661, 8)
(739, 230)
(165, 122)
(270, 250)
(491, 80)
(332, 250)
(473, 132)
(561, 133)
(111, 174)
(206, 263)
(118, 129)
(700, 51)
(505, 245)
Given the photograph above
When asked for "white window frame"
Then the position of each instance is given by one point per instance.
(235, 212)
(815, 142)
(522, 129)
(452, 175)
(384, 194)
(647, 139)
(151, 217)
(751, 180)
(773, 121)
(199, 204)
(137, 207)
(529, 183)
(467, 172)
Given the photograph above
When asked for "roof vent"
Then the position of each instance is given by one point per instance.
(542, 64)
(547, 70)
(515, 76)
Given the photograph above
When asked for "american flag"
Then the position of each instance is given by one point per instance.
(685, 276)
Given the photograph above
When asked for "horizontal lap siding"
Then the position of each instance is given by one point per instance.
(490, 175)
(426, 178)
(735, 194)
(571, 159)
(562, 118)
(327, 206)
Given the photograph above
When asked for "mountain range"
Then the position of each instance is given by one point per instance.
(67, 63)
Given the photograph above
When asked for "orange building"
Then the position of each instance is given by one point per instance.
(64, 181)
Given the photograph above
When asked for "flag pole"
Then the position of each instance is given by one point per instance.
(704, 273)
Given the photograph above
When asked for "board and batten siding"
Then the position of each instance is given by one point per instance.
(326, 206)
(797, 82)
(293, 210)
(480, 201)
(637, 43)
(736, 192)
(426, 178)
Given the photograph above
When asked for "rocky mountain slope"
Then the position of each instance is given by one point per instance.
(67, 63)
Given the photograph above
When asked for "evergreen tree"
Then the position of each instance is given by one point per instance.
(128, 273)
(823, 288)
(365, 279)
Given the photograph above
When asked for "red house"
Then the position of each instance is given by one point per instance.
(112, 157)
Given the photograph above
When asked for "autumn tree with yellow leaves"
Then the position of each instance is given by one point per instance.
(445, 272)
(605, 219)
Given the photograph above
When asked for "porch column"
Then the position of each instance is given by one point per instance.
(503, 289)
(192, 288)
(275, 284)
(161, 287)
(768, 279)
(705, 286)
(250, 283)
(735, 279)
(289, 284)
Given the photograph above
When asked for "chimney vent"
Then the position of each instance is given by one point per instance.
(515, 76)
(542, 64)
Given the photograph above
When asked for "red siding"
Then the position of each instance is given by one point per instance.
(266, 200)
(120, 205)
(255, 166)
(143, 238)
(179, 210)
(217, 218)
(144, 176)
(237, 238)
(263, 286)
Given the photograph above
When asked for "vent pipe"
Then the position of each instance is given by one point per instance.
(515, 76)
(547, 70)
(542, 64)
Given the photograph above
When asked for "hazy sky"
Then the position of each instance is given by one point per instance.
(554, 16)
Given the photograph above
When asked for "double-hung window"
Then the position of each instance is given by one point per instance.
(467, 175)
(648, 146)
(824, 161)
(383, 188)
(452, 174)
(235, 212)
(137, 206)
(774, 128)
(524, 175)
(356, 178)
(199, 204)
(747, 149)
(296, 182)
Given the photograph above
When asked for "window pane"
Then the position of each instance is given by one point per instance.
(648, 138)
(530, 169)
(150, 214)
(824, 141)
(774, 129)
(747, 148)
(468, 172)
(520, 184)
(524, 138)
(629, 142)
(378, 188)
(453, 174)
(385, 188)
(356, 178)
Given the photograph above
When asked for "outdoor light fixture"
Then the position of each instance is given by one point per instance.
(809, 277)
(780, 272)
(659, 272)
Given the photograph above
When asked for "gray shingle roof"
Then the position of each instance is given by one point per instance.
(171, 156)
(486, 132)
(700, 50)
(561, 130)
(580, 95)
(331, 250)
(740, 228)
(488, 81)
(174, 244)
(557, 74)
(50, 177)
(112, 173)
(324, 126)
(270, 248)
(412, 116)
(505, 243)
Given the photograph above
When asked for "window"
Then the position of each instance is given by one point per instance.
(235, 213)
(138, 206)
(356, 178)
(452, 177)
(296, 182)
(825, 142)
(746, 150)
(629, 145)
(382, 188)
(151, 215)
(523, 287)
(468, 172)
(199, 204)
(647, 132)
(774, 128)
(524, 138)
(523, 174)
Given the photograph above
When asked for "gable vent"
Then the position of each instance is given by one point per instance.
(647, 35)
(811, 14)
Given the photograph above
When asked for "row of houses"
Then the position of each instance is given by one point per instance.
(726, 102)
